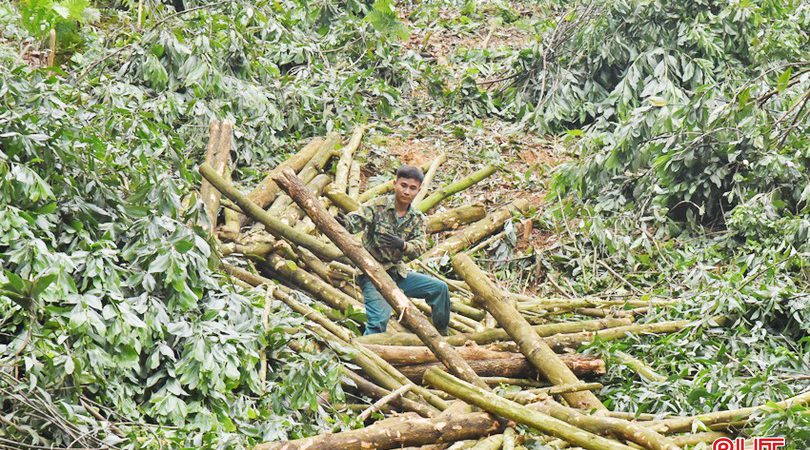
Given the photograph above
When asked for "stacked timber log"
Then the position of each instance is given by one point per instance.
(508, 354)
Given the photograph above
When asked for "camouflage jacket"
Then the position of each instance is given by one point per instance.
(380, 216)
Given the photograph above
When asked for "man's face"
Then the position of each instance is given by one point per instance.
(405, 189)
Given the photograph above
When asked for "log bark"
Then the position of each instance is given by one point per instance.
(219, 147)
(376, 392)
(389, 434)
(293, 213)
(354, 181)
(273, 225)
(403, 356)
(230, 229)
(515, 366)
(344, 164)
(456, 217)
(455, 187)
(428, 180)
(499, 334)
(630, 431)
(409, 314)
(435, 223)
(541, 356)
(476, 231)
(264, 194)
(544, 423)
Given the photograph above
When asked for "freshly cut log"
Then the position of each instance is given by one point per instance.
(220, 137)
(396, 433)
(403, 307)
(476, 231)
(437, 196)
(630, 431)
(499, 334)
(515, 366)
(264, 194)
(499, 406)
(456, 217)
(541, 356)
(429, 175)
(274, 226)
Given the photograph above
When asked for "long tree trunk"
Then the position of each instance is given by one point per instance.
(453, 188)
(456, 217)
(409, 314)
(630, 431)
(491, 402)
(476, 231)
(396, 433)
(354, 181)
(428, 180)
(499, 334)
(536, 350)
(273, 225)
(264, 194)
(515, 366)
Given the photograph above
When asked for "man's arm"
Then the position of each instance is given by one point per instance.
(359, 220)
(417, 244)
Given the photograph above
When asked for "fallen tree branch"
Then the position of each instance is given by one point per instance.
(396, 433)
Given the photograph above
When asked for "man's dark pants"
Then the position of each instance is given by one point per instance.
(416, 285)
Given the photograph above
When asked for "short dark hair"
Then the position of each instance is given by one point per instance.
(411, 172)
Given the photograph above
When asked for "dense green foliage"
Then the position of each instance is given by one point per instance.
(689, 178)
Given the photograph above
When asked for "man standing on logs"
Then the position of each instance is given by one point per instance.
(393, 230)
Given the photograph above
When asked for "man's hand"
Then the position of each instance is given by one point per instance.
(342, 219)
(389, 240)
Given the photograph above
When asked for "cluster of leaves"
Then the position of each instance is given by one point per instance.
(280, 71)
(39, 17)
(109, 295)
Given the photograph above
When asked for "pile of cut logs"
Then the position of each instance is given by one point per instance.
(507, 372)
